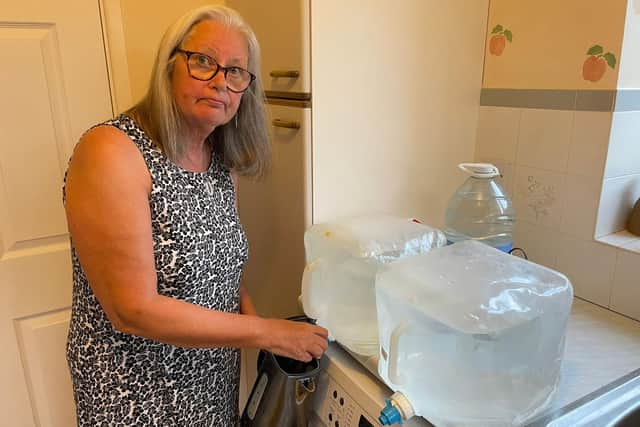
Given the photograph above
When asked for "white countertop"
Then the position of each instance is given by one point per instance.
(601, 346)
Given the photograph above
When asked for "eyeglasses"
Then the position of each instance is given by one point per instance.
(203, 67)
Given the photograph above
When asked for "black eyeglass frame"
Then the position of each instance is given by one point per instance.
(225, 70)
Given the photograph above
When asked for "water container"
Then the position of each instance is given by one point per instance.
(343, 257)
(471, 335)
(480, 209)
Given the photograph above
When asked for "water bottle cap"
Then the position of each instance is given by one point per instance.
(480, 170)
(389, 415)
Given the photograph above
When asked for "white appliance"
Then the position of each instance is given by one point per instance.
(348, 395)
(372, 105)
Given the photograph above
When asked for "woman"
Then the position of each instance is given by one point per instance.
(158, 309)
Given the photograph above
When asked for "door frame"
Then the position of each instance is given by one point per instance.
(115, 54)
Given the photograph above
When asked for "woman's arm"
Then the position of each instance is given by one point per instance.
(107, 207)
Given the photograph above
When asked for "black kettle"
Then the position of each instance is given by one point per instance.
(281, 395)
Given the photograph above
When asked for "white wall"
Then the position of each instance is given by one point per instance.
(629, 77)
(396, 91)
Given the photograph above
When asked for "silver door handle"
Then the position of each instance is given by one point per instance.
(294, 74)
(285, 124)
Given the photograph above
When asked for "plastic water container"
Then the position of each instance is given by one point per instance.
(343, 257)
(471, 335)
(480, 209)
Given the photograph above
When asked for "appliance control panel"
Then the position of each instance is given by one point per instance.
(335, 408)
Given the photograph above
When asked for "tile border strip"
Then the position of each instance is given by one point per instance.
(573, 100)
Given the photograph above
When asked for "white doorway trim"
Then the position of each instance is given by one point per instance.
(116, 55)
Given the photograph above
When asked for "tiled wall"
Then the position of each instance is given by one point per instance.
(552, 163)
(569, 153)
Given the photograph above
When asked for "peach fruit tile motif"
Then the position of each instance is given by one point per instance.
(499, 39)
(556, 45)
(596, 63)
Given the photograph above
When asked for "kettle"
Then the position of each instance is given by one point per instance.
(280, 397)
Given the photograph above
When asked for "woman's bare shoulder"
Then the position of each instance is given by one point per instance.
(103, 145)
(105, 138)
(108, 152)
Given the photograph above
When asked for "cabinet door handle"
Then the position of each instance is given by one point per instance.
(294, 74)
(285, 124)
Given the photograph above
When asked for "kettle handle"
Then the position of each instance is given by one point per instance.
(392, 371)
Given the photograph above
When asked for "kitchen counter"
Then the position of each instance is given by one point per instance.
(601, 346)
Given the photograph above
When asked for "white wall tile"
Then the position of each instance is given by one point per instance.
(539, 242)
(625, 293)
(539, 196)
(616, 201)
(590, 267)
(544, 139)
(580, 206)
(589, 142)
(623, 157)
(498, 132)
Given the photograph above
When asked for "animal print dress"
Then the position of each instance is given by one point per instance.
(200, 249)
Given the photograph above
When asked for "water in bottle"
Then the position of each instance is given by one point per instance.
(480, 209)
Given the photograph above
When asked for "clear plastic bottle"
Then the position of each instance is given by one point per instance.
(480, 209)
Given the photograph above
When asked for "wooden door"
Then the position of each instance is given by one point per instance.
(54, 84)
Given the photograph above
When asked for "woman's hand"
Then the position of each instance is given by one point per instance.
(297, 340)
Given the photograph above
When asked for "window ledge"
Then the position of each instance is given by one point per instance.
(623, 240)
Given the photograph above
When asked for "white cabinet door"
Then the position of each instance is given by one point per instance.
(275, 213)
(53, 80)
(282, 28)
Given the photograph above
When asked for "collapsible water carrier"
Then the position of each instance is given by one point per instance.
(470, 335)
(343, 257)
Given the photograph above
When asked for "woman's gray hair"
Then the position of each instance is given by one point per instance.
(245, 148)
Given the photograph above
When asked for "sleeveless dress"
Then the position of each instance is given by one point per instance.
(200, 248)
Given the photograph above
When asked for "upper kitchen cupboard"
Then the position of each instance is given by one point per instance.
(282, 28)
